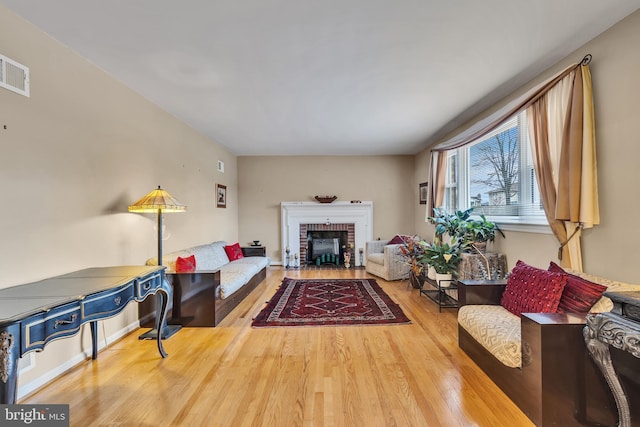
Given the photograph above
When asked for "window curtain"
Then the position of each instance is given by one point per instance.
(562, 135)
(437, 176)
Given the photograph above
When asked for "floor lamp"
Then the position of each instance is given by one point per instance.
(158, 201)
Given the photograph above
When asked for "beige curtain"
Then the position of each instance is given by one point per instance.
(437, 181)
(562, 136)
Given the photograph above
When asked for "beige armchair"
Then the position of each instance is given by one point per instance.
(386, 261)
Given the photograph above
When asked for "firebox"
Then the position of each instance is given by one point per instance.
(325, 243)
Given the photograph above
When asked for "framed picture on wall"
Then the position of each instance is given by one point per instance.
(423, 193)
(221, 196)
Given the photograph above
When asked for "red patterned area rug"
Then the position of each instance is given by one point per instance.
(314, 302)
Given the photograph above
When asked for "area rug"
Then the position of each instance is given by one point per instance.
(324, 302)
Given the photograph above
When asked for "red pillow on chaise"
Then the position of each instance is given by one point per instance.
(234, 251)
(532, 290)
(186, 265)
(579, 295)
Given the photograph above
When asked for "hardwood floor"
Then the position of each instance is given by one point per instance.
(234, 375)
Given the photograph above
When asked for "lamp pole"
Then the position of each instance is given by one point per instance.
(159, 236)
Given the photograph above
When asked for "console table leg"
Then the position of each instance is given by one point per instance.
(94, 339)
(9, 354)
(598, 345)
(163, 294)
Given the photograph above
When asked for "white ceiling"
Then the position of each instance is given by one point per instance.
(335, 77)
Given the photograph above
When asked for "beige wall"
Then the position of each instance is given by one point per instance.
(74, 156)
(264, 182)
(610, 249)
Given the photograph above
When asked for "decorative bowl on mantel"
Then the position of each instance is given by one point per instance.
(326, 199)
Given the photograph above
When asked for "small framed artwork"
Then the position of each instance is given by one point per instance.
(423, 193)
(221, 196)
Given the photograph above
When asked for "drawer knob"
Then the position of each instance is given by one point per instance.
(64, 322)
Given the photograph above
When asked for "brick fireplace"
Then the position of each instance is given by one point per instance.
(300, 218)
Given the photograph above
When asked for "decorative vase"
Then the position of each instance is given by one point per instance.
(443, 279)
(431, 272)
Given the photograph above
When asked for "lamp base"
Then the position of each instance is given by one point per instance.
(167, 332)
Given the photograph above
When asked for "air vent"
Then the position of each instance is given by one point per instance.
(14, 76)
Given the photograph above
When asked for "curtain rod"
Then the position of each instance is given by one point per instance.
(586, 60)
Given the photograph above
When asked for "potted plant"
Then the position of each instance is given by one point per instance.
(444, 257)
(477, 232)
(449, 223)
(412, 250)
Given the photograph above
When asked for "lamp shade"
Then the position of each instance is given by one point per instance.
(156, 200)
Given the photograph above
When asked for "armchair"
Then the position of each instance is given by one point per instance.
(385, 260)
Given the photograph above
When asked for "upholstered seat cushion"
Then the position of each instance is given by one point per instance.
(496, 329)
(376, 258)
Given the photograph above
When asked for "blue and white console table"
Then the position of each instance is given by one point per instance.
(34, 314)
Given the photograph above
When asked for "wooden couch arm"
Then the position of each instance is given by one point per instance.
(185, 286)
(480, 292)
(563, 384)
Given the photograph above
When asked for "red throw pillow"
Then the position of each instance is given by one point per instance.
(533, 290)
(234, 252)
(399, 238)
(186, 265)
(579, 295)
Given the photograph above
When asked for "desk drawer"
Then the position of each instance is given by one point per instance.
(106, 304)
(148, 285)
(60, 322)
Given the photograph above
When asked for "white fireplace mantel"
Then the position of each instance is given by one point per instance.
(295, 213)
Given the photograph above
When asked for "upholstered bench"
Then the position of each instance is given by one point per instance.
(539, 359)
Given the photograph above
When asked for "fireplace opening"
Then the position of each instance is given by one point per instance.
(326, 247)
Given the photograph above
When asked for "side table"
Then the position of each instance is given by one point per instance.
(619, 328)
(254, 251)
(438, 293)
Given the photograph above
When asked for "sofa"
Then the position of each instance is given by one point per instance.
(384, 259)
(207, 292)
(539, 359)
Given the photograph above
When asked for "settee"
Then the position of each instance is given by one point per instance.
(205, 295)
(539, 359)
(385, 259)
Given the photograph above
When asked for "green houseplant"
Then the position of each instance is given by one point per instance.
(477, 232)
(443, 257)
(452, 224)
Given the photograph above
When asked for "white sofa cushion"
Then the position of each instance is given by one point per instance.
(496, 329)
(211, 256)
(377, 258)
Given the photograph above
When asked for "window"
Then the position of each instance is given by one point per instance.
(495, 176)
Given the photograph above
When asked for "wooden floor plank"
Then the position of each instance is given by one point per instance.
(236, 375)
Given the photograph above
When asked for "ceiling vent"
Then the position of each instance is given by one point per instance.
(14, 76)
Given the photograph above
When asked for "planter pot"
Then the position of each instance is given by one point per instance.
(444, 280)
(431, 273)
(416, 280)
(480, 247)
